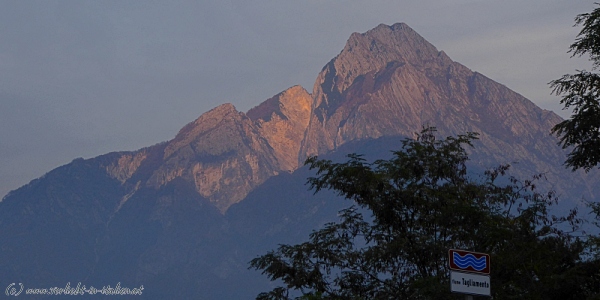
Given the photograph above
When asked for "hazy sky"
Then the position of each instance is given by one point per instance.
(84, 78)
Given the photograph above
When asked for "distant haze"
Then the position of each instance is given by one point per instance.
(83, 78)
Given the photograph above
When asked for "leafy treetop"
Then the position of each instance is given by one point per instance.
(409, 210)
(580, 92)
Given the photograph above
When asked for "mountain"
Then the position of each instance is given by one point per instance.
(183, 217)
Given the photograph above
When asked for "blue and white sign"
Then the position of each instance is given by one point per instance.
(468, 283)
(468, 261)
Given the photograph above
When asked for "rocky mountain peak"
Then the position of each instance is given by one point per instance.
(389, 81)
(224, 113)
(221, 154)
(282, 121)
(373, 50)
(366, 67)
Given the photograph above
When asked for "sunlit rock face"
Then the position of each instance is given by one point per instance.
(391, 81)
(222, 153)
(386, 82)
(282, 121)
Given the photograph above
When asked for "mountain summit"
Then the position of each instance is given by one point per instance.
(185, 216)
(391, 81)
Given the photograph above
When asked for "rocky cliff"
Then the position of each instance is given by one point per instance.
(386, 82)
(222, 153)
(282, 121)
(390, 81)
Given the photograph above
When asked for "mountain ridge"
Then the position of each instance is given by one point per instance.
(379, 76)
(185, 216)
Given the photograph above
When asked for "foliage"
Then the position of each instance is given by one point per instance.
(580, 92)
(421, 203)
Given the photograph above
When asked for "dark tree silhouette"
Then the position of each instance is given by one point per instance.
(409, 210)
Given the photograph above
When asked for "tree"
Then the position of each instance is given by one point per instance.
(581, 92)
(409, 211)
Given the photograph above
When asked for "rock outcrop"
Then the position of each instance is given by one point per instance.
(390, 81)
(282, 121)
(386, 82)
(222, 153)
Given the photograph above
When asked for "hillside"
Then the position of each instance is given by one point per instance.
(185, 216)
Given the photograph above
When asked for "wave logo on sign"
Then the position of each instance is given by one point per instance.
(469, 260)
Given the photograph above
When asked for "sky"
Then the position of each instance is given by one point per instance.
(84, 78)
